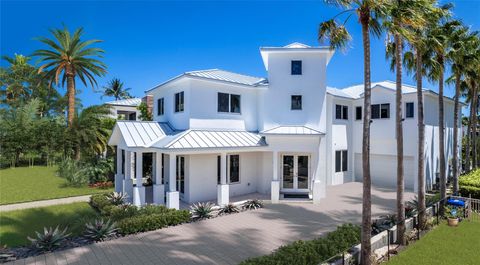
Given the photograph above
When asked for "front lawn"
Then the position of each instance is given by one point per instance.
(25, 184)
(444, 245)
(15, 226)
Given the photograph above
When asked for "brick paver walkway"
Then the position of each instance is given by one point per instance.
(43, 203)
(233, 238)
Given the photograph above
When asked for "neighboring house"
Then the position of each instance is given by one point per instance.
(125, 109)
(218, 134)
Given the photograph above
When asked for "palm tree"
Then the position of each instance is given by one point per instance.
(370, 13)
(115, 89)
(69, 57)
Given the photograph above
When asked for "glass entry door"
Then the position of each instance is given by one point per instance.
(295, 172)
(181, 175)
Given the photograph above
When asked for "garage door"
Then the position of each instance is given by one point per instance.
(383, 169)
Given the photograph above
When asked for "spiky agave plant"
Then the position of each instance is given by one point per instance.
(252, 204)
(100, 229)
(229, 208)
(116, 198)
(50, 239)
(202, 210)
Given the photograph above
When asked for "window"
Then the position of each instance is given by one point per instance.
(160, 103)
(219, 170)
(381, 111)
(358, 113)
(341, 112)
(341, 161)
(409, 110)
(296, 102)
(179, 102)
(234, 168)
(296, 67)
(228, 103)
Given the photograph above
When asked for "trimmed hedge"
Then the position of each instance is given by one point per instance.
(99, 202)
(143, 223)
(468, 190)
(311, 252)
(470, 184)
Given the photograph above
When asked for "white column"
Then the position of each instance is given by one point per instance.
(139, 189)
(275, 188)
(127, 181)
(173, 196)
(223, 191)
(320, 172)
(119, 175)
(158, 187)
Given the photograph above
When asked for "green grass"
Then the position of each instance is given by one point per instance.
(15, 226)
(444, 245)
(25, 184)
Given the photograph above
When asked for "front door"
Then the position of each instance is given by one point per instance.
(181, 175)
(295, 173)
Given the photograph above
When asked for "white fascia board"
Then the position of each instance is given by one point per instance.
(265, 51)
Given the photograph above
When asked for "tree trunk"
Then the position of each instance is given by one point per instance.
(455, 135)
(469, 139)
(367, 196)
(441, 137)
(421, 143)
(474, 129)
(399, 131)
(70, 95)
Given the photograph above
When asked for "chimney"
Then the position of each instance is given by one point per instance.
(148, 99)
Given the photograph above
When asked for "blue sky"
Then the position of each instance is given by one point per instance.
(149, 42)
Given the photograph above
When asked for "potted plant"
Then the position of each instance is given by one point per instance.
(452, 214)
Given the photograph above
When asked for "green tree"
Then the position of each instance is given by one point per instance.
(115, 89)
(145, 113)
(69, 57)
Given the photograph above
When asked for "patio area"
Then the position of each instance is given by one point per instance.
(232, 238)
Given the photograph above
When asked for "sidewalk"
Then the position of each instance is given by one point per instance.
(43, 203)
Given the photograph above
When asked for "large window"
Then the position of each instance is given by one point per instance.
(219, 170)
(358, 113)
(341, 112)
(228, 103)
(409, 110)
(160, 106)
(179, 102)
(341, 161)
(296, 102)
(234, 168)
(381, 111)
(296, 67)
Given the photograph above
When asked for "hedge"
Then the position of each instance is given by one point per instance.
(99, 202)
(466, 191)
(148, 222)
(311, 252)
(470, 184)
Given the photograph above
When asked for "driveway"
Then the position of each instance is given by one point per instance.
(233, 238)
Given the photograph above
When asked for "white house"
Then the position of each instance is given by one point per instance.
(218, 134)
(125, 109)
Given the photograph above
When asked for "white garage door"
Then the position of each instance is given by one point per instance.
(383, 169)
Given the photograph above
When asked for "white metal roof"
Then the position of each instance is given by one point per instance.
(134, 102)
(143, 133)
(193, 139)
(292, 130)
(222, 75)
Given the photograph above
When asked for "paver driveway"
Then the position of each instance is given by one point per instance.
(233, 238)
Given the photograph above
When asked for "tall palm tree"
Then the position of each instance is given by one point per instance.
(115, 89)
(69, 57)
(370, 13)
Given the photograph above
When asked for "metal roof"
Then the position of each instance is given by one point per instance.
(227, 76)
(193, 139)
(143, 133)
(292, 130)
(134, 102)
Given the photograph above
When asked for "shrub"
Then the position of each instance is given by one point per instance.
(228, 209)
(252, 204)
(470, 184)
(154, 209)
(98, 170)
(100, 229)
(470, 191)
(202, 210)
(99, 201)
(312, 251)
(143, 223)
(453, 212)
(120, 212)
(72, 172)
(51, 239)
(116, 198)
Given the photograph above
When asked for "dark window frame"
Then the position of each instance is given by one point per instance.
(341, 161)
(230, 108)
(231, 159)
(358, 113)
(409, 113)
(377, 111)
(341, 112)
(160, 106)
(296, 67)
(296, 99)
(179, 102)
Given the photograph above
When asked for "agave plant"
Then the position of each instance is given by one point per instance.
(50, 239)
(228, 209)
(202, 210)
(116, 198)
(252, 204)
(100, 229)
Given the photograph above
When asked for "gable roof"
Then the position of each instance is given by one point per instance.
(133, 102)
(140, 133)
(292, 130)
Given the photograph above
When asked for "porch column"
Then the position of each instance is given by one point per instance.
(275, 189)
(139, 189)
(158, 187)
(319, 185)
(119, 174)
(173, 196)
(127, 181)
(223, 191)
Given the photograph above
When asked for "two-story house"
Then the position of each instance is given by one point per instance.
(218, 134)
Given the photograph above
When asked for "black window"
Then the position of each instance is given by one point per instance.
(341, 161)
(296, 67)
(179, 102)
(385, 111)
(376, 111)
(358, 113)
(160, 108)
(234, 168)
(223, 101)
(219, 169)
(345, 112)
(341, 112)
(235, 103)
(296, 102)
(409, 110)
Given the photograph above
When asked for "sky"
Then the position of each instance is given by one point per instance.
(148, 42)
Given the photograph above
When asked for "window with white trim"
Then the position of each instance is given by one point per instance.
(228, 103)
(341, 112)
(381, 111)
(179, 102)
(358, 113)
(233, 169)
(341, 161)
(160, 106)
(296, 102)
(409, 110)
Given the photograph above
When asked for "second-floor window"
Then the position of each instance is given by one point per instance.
(160, 106)
(296, 102)
(381, 111)
(341, 112)
(179, 102)
(358, 113)
(409, 110)
(296, 67)
(229, 103)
